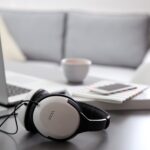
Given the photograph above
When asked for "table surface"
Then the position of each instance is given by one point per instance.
(128, 130)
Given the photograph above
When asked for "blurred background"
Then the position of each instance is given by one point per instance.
(117, 45)
(90, 5)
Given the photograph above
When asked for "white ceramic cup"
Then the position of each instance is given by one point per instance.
(75, 69)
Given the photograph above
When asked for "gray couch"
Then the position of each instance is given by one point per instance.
(116, 44)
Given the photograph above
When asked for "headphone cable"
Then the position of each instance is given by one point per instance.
(15, 117)
(16, 106)
(10, 104)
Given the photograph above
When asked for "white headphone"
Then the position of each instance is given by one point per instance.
(60, 117)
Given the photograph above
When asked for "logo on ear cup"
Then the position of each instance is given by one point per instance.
(51, 114)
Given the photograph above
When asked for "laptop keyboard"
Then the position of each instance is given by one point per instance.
(16, 90)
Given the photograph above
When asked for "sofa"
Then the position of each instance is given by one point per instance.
(117, 44)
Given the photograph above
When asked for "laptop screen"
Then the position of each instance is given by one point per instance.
(3, 88)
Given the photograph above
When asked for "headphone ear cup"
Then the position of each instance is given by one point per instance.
(57, 118)
(28, 116)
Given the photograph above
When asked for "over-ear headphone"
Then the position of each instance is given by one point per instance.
(60, 117)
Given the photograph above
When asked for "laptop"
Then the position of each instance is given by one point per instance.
(7, 91)
(15, 86)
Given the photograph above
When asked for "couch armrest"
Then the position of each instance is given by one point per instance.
(147, 57)
(142, 74)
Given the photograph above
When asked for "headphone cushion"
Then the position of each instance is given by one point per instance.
(37, 96)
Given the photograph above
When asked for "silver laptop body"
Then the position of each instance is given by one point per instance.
(8, 90)
(3, 88)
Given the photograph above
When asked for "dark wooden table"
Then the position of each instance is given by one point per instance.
(129, 130)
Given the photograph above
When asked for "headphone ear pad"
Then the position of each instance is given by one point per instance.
(28, 119)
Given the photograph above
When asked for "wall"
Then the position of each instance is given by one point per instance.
(122, 6)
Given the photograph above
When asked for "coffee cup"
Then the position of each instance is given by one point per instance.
(75, 69)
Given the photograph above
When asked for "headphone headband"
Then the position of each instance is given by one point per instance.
(93, 119)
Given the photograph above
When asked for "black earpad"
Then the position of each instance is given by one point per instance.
(38, 96)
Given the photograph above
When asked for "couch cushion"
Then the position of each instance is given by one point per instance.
(112, 73)
(39, 34)
(118, 40)
(53, 71)
(48, 70)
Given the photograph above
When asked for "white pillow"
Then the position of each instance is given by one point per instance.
(11, 50)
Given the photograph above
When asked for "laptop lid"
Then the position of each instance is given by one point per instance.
(3, 88)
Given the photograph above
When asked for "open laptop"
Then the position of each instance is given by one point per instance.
(7, 91)
(15, 86)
